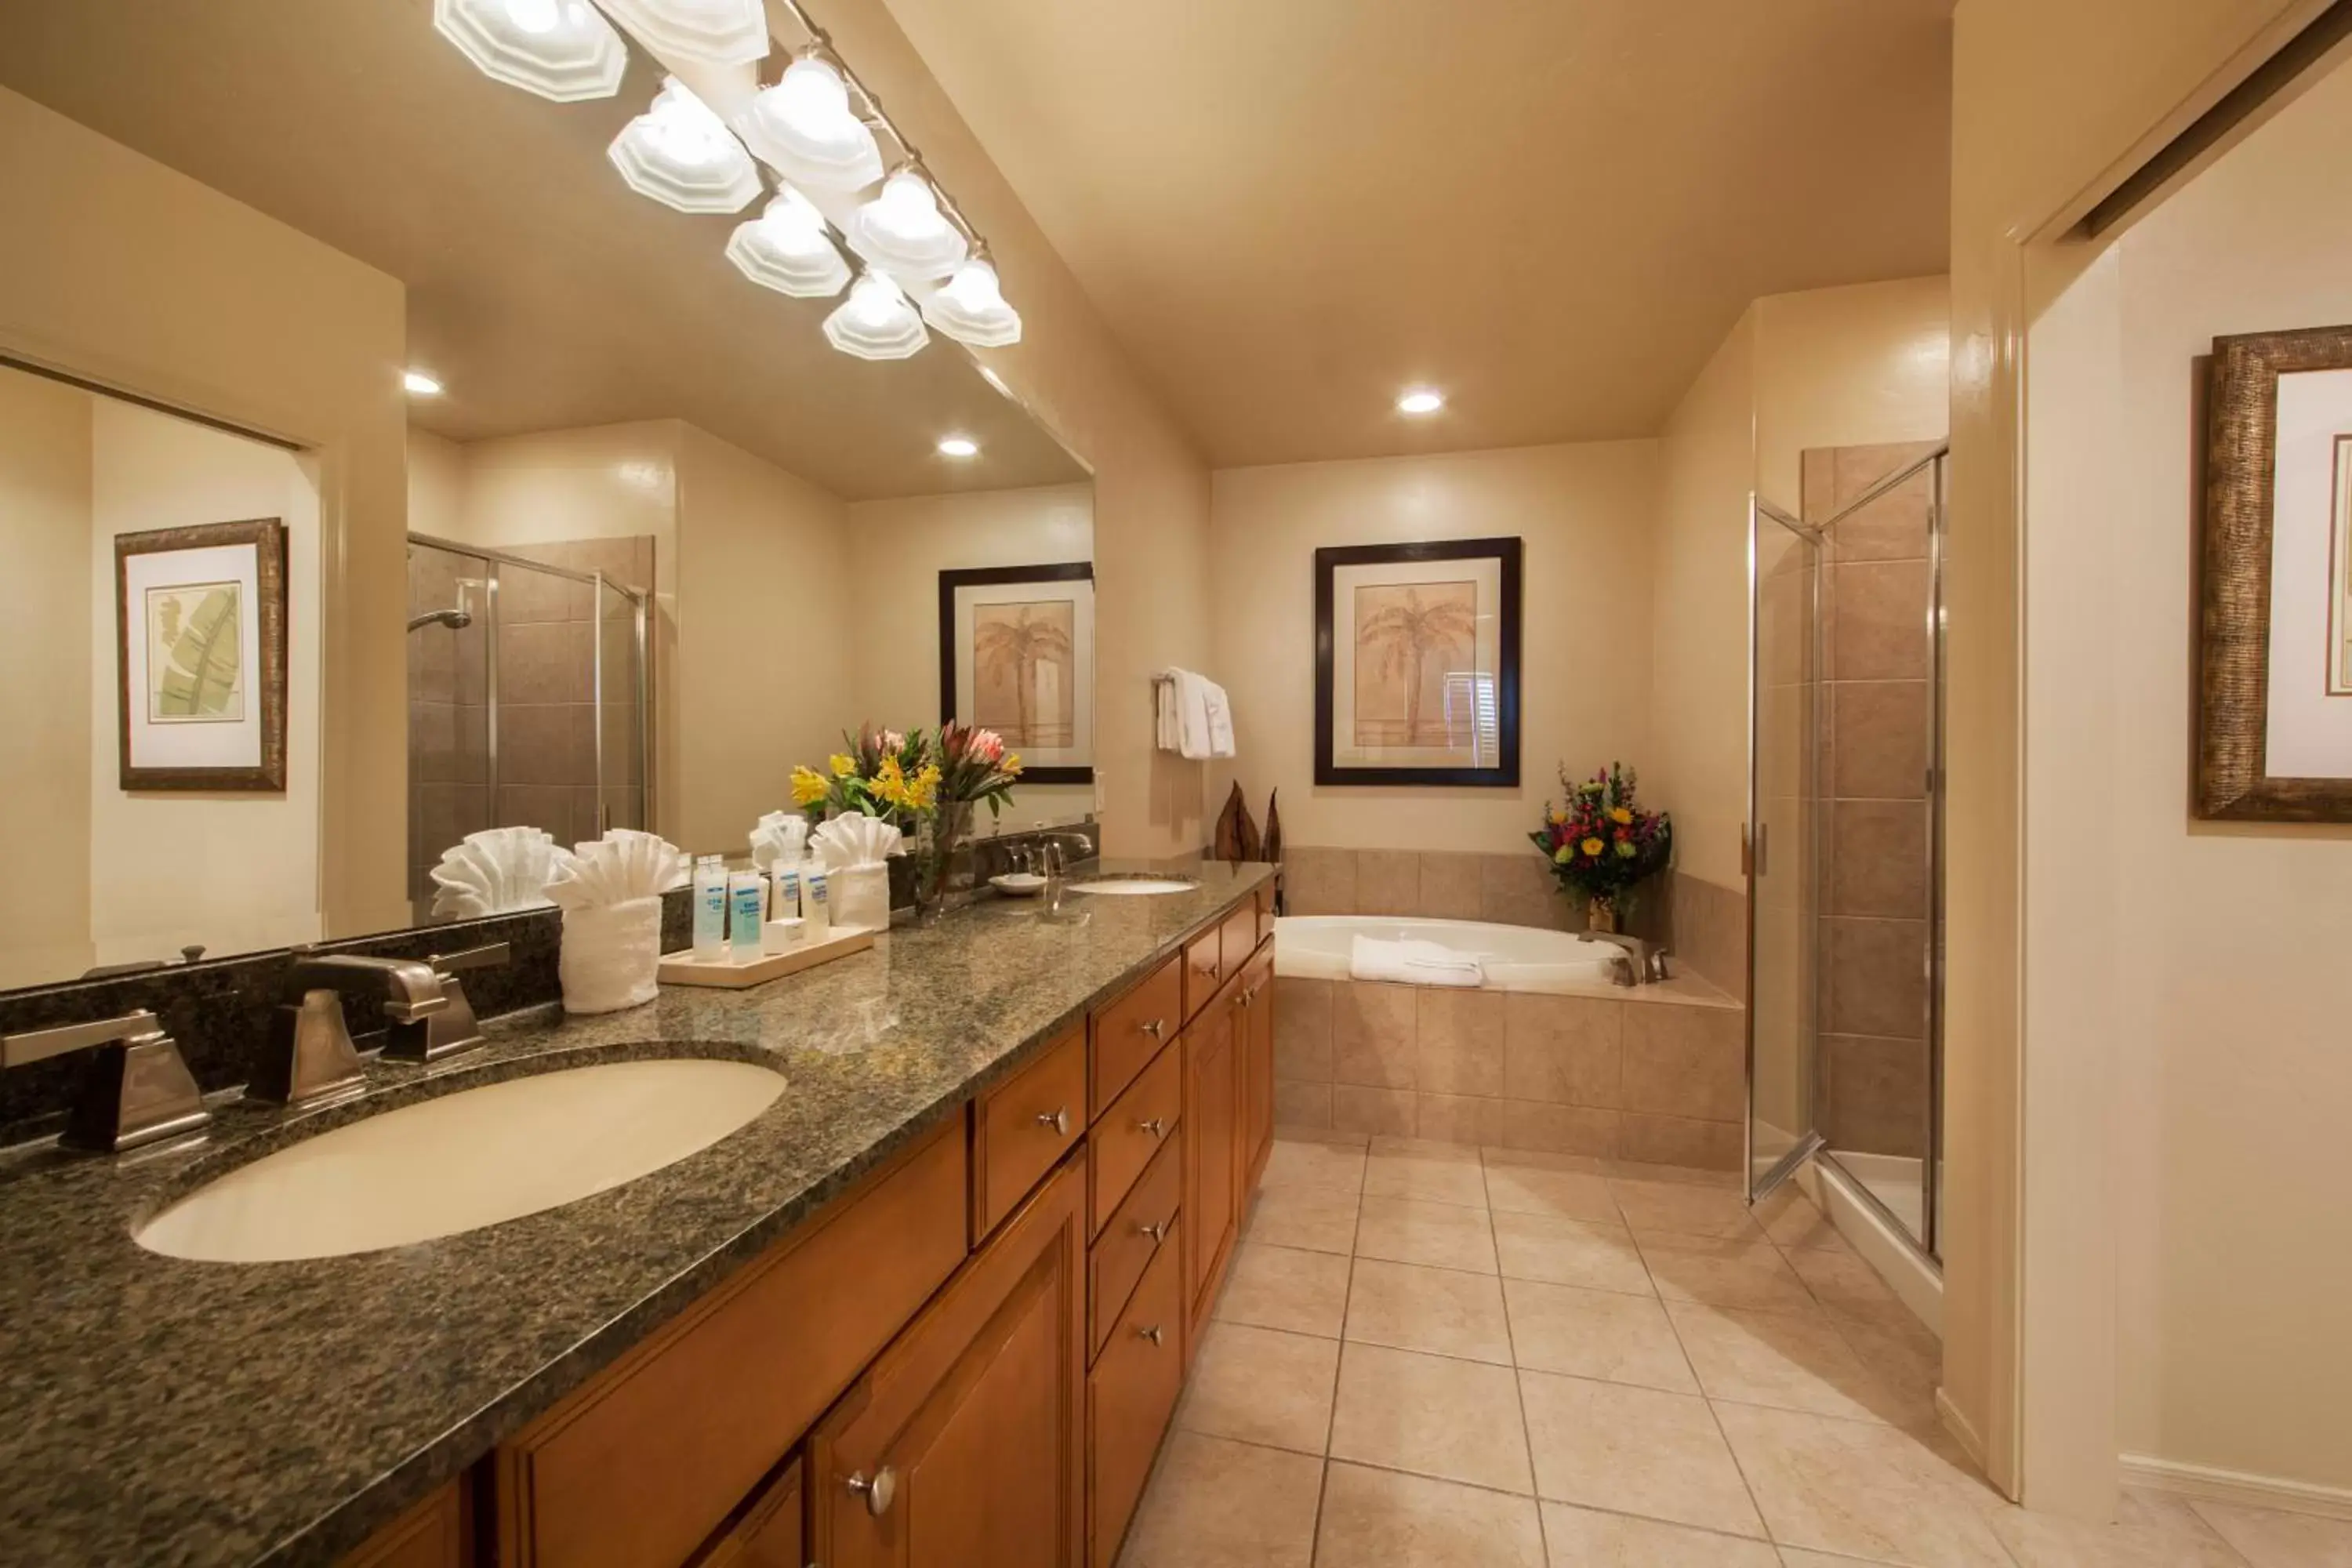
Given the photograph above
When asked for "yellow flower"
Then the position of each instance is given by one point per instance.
(1621, 816)
(1011, 765)
(1591, 846)
(808, 786)
(924, 792)
(1556, 816)
(841, 766)
(891, 782)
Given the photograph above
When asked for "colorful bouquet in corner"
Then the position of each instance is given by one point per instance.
(883, 773)
(974, 766)
(1599, 841)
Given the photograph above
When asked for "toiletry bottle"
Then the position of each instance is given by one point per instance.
(709, 910)
(784, 907)
(747, 897)
(816, 909)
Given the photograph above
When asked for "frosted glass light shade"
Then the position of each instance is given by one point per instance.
(557, 49)
(875, 322)
(682, 156)
(802, 128)
(903, 229)
(707, 32)
(785, 248)
(970, 308)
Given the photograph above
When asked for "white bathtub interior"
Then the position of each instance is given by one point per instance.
(1514, 958)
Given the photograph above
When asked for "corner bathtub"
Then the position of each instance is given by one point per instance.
(1514, 958)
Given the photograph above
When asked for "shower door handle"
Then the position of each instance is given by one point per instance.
(1757, 838)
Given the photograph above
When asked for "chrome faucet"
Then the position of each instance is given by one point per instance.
(1638, 963)
(136, 1089)
(310, 1057)
(453, 1027)
(1055, 866)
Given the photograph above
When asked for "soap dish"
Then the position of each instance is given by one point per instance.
(1018, 884)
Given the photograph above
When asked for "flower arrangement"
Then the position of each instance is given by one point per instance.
(1599, 841)
(927, 782)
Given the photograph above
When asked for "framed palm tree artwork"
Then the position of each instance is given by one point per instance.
(1417, 663)
(1017, 656)
(200, 656)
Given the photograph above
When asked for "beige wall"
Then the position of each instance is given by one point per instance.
(1587, 513)
(45, 712)
(896, 550)
(1859, 366)
(117, 268)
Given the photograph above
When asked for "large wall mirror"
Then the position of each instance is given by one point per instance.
(577, 526)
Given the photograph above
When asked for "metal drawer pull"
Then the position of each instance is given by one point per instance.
(1156, 1028)
(879, 1492)
(1156, 1232)
(1154, 1333)
(1059, 1121)
(1157, 1126)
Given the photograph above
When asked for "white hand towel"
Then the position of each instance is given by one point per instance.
(1193, 740)
(1163, 706)
(1220, 719)
(1413, 963)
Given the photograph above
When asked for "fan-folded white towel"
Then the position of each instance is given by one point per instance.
(1221, 719)
(1413, 963)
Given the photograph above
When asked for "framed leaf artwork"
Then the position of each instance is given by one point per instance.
(1017, 656)
(200, 645)
(1417, 663)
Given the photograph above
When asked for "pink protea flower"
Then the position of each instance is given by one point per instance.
(987, 746)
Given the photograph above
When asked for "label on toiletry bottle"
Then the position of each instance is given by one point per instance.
(745, 894)
(816, 909)
(786, 905)
(709, 910)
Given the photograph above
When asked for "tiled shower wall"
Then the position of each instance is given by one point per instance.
(449, 716)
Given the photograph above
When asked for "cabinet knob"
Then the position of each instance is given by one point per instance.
(1059, 1121)
(1157, 1126)
(1156, 1028)
(879, 1492)
(1155, 1333)
(1158, 1232)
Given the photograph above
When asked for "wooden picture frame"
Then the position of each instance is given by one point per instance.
(1046, 607)
(200, 656)
(2254, 711)
(1396, 604)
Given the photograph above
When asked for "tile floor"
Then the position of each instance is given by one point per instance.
(1432, 1356)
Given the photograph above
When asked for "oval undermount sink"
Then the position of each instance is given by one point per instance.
(463, 1161)
(1133, 885)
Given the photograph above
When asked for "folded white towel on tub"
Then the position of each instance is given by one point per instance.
(1413, 963)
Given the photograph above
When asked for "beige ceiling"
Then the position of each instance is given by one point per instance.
(1554, 209)
(541, 291)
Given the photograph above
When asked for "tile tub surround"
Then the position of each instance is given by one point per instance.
(1657, 1076)
(158, 1410)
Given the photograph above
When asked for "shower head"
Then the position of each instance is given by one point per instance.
(456, 620)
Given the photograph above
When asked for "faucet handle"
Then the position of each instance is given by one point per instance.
(488, 955)
(39, 1045)
(137, 1089)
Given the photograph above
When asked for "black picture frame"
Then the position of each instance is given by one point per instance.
(1510, 553)
(992, 576)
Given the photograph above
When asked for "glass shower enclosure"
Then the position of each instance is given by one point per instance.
(1845, 852)
(526, 693)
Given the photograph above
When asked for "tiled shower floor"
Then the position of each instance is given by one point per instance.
(1430, 1357)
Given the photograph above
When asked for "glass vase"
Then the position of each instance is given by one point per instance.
(937, 839)
(1601, 914)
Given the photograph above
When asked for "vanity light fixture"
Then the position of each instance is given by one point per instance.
(416, 384)
(1420, 400)
(802, 128)
(904, 230)
(560, 50)
(875, 322)
(971, 308)
(700, 32)
(682, 156)
(785, 248)
(959, 446)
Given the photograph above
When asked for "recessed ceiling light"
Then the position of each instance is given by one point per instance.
(959, 446)
(419, 384)
(1421, 400)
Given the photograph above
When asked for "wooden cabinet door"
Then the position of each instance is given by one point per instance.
(1212, 1170)
(961, 1445)
(1255, 1043)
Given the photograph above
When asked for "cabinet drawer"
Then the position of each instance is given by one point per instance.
(1204, 970)
(436, 1534)
(646, 1461)
(1134, 1131)
(1129, 1032)
(769, 1533)
(1129, 1397)
(1023, 1127)
(1140, 1232)
(1239, 939)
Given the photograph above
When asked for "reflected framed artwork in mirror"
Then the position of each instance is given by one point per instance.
(200, 643)
(1017, 656)
(2274, 623)
(1417, 663)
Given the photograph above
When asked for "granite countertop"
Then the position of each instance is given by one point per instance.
(157, 1411)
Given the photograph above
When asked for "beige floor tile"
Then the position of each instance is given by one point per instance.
(1723, 1272)
(1299, 1162)
(1906, 1358)
(1218, 1504)
(1433, 1415)
(1286, 1287)
(1674, 1176)
(1581, 1538)
(1861, 1490)
(1356, 1140)
(1601, 1334)
(1261, 1386)
(1792, 1557)
(1424, 1149)
(2269, 1539)
(1377, 1518)
(1635, 1450)
(1782, 1360)
(1443, 1236)
(1595, 1254)
(1790, 1218)
(1682, 1209)
(1409, 1306)
(2164, 1511)
(1495, 1155)
(2045, 1541)
(1564, 1194)
(1849, 1288)
(1431, 1178)
(1316, 1218)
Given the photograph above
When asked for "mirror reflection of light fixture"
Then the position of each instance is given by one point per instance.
(702, 32)
(785, 248)
(875, 322)
(557, 49)
(971, 308)
(803, 128)
(904, 230)
(682, 156)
